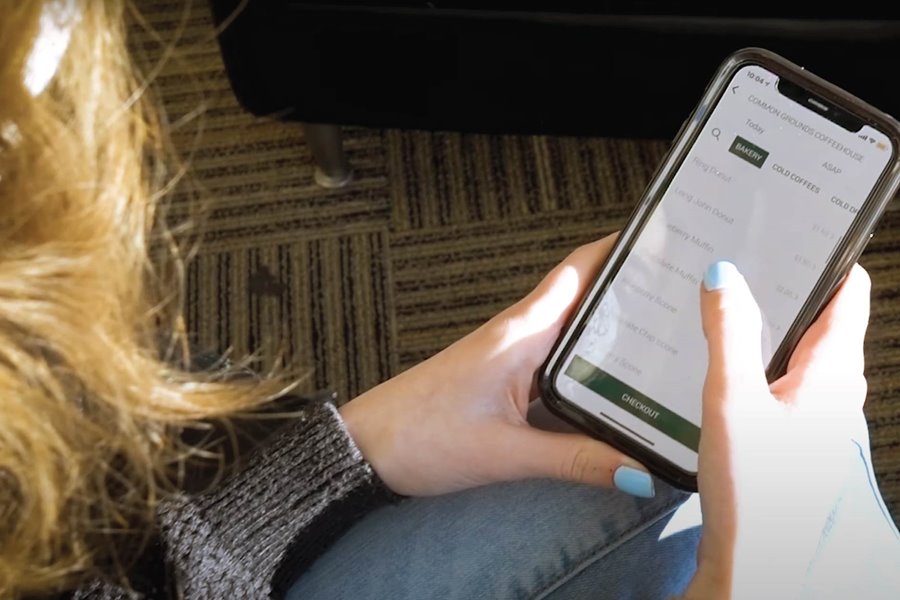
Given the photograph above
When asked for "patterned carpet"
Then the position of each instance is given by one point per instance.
(437, 232)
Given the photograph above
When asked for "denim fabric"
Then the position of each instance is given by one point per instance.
(554, 540)
(527, 539)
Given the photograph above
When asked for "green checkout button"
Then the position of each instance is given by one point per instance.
(631, 400)
(749, 151)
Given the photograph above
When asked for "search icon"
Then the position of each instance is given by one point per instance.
(716, 132)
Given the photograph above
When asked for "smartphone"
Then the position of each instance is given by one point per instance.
(776, 170)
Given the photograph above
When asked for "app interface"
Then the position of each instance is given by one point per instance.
(770, 185)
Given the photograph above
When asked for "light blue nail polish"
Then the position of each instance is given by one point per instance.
(633, 481)
(720, 275)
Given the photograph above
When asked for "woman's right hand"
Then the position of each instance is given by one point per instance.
(773, 457)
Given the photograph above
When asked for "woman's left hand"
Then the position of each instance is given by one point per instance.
(458, 420)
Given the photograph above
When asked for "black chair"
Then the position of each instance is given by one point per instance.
(629, 69)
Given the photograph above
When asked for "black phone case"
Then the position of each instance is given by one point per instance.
(846, 254)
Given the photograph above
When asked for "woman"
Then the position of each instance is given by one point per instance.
(99, 493)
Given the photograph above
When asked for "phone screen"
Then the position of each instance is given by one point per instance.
(771, 185)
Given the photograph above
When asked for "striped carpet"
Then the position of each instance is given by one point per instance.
(437, 232)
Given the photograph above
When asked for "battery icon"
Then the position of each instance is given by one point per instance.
(881, 145)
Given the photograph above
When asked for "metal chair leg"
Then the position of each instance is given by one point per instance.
(327, 147)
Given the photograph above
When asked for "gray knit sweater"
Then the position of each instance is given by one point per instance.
(253, 535)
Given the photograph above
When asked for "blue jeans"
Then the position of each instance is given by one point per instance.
(548, 539)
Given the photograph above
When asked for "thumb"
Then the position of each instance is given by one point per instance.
(732, 325)
(575, 457)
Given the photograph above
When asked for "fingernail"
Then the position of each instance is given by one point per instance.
(633, 481)
(720, 275)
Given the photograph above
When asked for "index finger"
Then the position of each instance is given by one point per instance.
(587, 259)
(581, 267)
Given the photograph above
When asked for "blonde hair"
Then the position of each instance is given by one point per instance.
(91, 403)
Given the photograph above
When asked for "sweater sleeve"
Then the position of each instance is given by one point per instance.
(254, 534)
